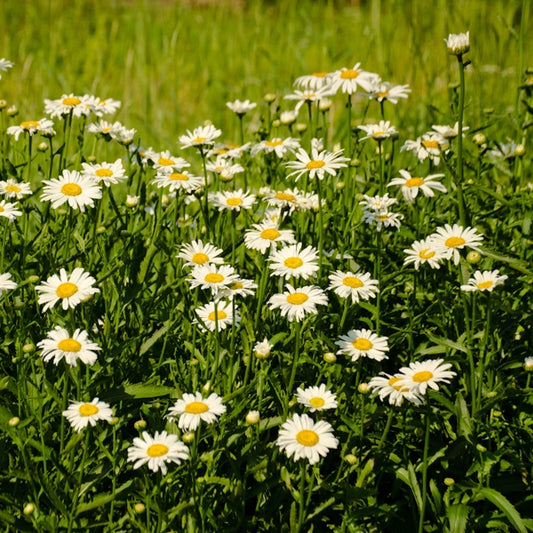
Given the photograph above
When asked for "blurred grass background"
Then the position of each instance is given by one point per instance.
(174, 64)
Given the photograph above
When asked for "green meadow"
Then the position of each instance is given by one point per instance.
(266, 266)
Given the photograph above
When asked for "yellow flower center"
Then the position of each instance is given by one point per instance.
(453, 242)
(199, 258)
(319, 74)
(362, 344)
(66, 290)
(285, 196)
(196, 408)
(349, 74)
(318, 163)
(382, 94)
(234, 201)
(308, 96)
(69, 345)
(430, 144)
(485, 284)
(273, 143)
(2, 209)
(165, 161)
(317, 402)
(424, 375)
(214, 277)
(71, 189)
(71, 100)
(414, 182)
(297, 298)
(220, 315)
(353, 282)
(236, 285)
(425, 254)
(103, 172)
(157, 450)
(106, 129)
(12, 188)
(307, 437)
(28, 124)
(394, 380)
(178, 176)
(270, 234)
(293, 262)
(382, 217)
(87, 409)
(198, 140)
(379, 133)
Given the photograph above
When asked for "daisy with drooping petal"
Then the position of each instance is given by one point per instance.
(241, 108)
(82, 414)
(448, 240)
(377, 203)
(382, 91)
(458, 43)
(420, 375)
(101, 107)
(357, 286)
(430, 145)
(378, 132)
(197, 253)
(71, 289)
(14, 189)
(157, 451)
(106, 173)
(383, 218)
(200, 137)
(387, 387)
(317, 164)
(423, 252)
(297, 303)
(239, 287)
(31, 127)
(104, 128)
(281, 147)
(292, 261)
(449, 132)
(4, 65)
(232, 200)
(314, 81)
(216, 316)
(411, 185)
(316, 398)
(289, 198)
(190, 409)
(266, 235)
(484, 281)
(59, 345)
(6, 284)
(224, 168)
(9, 210)
(72, 188)
(363, 343)
(166, 162)
(348, 80)
(303, 438)
(309, 97)
(210, 276)
(178, 181)
(66, 105)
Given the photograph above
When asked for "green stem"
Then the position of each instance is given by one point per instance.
(425, 470)
(301, 506)
(460, 170)
(320, 227)
(297, 327)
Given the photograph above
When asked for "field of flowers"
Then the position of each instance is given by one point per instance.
(317, 320)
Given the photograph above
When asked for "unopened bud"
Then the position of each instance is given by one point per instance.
(330, 357)
(14, 421)
(140, 424)
(139, 508)
(252, 417)
(28, 509)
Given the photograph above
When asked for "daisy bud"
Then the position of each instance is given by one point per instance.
(355, 162)
(363, 388)
(188, 437)
(114, 421)
(528, 364)
(276, 123)
(28, 509)
(449, 481)
(479, 139)
(42, 147)
(28, 348)
(132, 201)
(458, 44)
(61, 212)
(91, 159)
(100, 230)
(288, 117)
(164, 199)
(330, 357)
(207, 387)
(481, 448)
(269, 98)
(300, 127)
(14, 421)
(324, 104)
(351, 459)
(139, 508)
(12, 111)
(520, 150)
(140, 424)
(340, 185)
(3, 104)
(473, 257)
(252, 418)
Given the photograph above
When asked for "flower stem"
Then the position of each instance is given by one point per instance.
(460, 170)
(424, 471)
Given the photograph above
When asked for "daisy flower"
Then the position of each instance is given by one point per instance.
(72, 188)
(289, 198)
(448, 240)
(104, 128)
(384, 91)
(59, 345)
(430, 145)
(266, 235)
(66, 105)
(13, 189)
(317, 164)
(216, 314)
(178, 181)
(378, 132)
(4, 65)
(382, 218)
(209, 276)
(363, 343)
(101, 106)
(449, 132)
(357, 286)
(313, 82)
(301, 437)
(348, 80)
(106, 173)
(262, 349)
(297, 303)
(458, 43)
(281, 147)
(166, 162)
(303, 97)
(377, 203)
(233, 200)
(9, 210)
(31, 127)
(411, 185)
(224, 167)
(6, 284)
(316, 398)
(71, 289)
(420, 375)
(82, 414)
(197, 253)
(422, 252)
(387, 387)
(190, 409)
(200, 137)
(292, 261)
(157, 451)
(241, 108)
(239, 287)
(230, 151)
(484, 281)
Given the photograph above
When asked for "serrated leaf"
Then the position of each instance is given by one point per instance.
(102, 499)
(505, 506)
(408, 476)
(457, 515)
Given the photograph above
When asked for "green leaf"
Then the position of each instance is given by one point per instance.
(409, 478)
(457, 515)
(521, 266)
(147, 344)
(136, 391)
(505, 506)
(102, 499)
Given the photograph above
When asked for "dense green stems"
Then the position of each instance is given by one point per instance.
(304, 496)
(349, 107)
(460, 171)
(77, 488)
(346, 307)
(296, 328)
(206, 194)
(381, 168)
(377, 275)
(320, 227)
(3, 248)
(260, 295)
(425, 470)
(385, 433)
(483, 350)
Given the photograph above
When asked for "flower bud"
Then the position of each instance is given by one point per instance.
(28, 509)
(132, 201)
(42, 147)
(481, 448)
(363, 388)
(28, 348)
(12, 111)
(140, 424)
(449, 481)
(528, 364)
(473, 257)
(14, 421)
(351, 459)
(252, 417)
(188, 437)
(330, 357)
(139, 508)
(3, 104)
(479, 139)
(276, 123)
(324, 104)
(269, 98)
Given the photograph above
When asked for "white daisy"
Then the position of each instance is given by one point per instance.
(357, 286)
(484, 281)
(82, 414)
(216, 316)
(316, 398)
(297, 303)
(377, 203)
(106, 173)
(378, 132)
(9, 210)
(239, 287)
(210, 276)
(71, 289)
(262, 349)
(387, 386)
(232, 200)
(166, 162)
(31, 127)
(383, 218)
(423, 252)
(292, 261)
(301, 437)
(178, 181)
(104, 128)
(6, 284)
(420, 375)
(313, 82)
(224, 167)
(303, 97)
(449, 132)
(157, 451)
(458, 43)
(4, 65)
(101, 107)
(190, 409)
(197, 253)
(384, 91)
(430, 145)
(448, 240)
(363, 343)
(200, 137)
(411, 185)
(317, 164)
(59, 345)
(266, 235)
(14, 189)
(66, 105)
(348, 80)
(281, 147)
(72, 188)
(241, 108)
